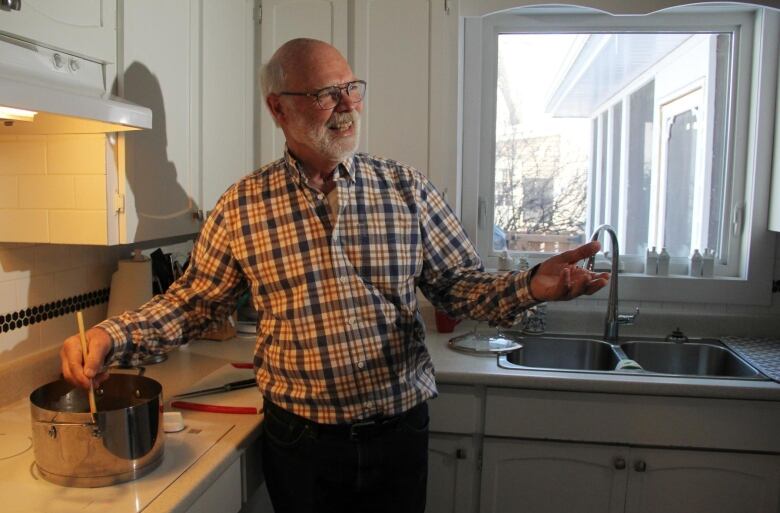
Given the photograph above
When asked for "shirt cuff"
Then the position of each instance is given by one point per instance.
(528, 277)
(118, 339)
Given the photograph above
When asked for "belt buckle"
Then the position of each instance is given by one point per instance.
(354, 429)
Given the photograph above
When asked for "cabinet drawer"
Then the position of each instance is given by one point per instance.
(633, 419)
(458, 409)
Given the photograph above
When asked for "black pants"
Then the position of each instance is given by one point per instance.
(381, 467)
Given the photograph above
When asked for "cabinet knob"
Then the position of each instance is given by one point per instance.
(620, 463)
(640, 466)
(460, 454)
(58, 61)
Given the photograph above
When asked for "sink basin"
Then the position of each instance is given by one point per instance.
(562, 353)
(691, 359)
(702, 358)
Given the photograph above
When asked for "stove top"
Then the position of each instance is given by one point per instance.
(24, 491)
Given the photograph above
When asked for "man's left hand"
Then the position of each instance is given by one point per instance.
(559, 278)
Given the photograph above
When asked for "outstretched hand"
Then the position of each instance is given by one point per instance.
(559, 278)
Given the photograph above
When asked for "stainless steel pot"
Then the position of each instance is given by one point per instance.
(122, 442)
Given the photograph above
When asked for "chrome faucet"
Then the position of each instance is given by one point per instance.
(613, 319)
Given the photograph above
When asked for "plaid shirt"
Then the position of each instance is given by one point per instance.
(339, 335)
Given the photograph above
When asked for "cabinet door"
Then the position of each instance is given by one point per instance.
(453, 476)
(396, 66)
(548, 477)
(227, 96)
(83, 27)
(159, 169)
(283, 20)
(676, 481)
(223, 495)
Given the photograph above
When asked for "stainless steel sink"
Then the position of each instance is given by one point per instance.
(691, 359)
(701, 358)
(563, 353)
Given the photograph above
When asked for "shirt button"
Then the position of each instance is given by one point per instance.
(368, 405)
(361, 365)
(343, 279)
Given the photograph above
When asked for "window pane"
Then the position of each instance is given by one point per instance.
(541, 162)
(680, 168)
(624, 128)
(640, 160)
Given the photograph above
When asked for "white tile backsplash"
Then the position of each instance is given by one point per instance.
(53, 189)
(9, 192)
(22, 155)
(33, 275)
(46, 192)
(76, 154)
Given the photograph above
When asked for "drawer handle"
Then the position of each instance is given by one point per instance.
(620, 463)
(640, 466)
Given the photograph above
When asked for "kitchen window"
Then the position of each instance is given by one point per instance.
(648, 123)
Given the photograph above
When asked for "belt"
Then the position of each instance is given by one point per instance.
(359, 430)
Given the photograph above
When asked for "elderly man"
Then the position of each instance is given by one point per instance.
(332, 246)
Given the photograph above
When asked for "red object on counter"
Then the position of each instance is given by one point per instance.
(445, 323)
(243, 365)
(214, 408)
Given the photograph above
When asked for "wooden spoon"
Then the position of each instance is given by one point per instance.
(83, 336)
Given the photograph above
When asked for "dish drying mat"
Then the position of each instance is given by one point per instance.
(763, 353)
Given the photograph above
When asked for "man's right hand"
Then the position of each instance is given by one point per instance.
(74, 370)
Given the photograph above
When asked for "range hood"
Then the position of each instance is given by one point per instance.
(44, 91)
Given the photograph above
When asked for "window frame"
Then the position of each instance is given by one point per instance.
(749, 157)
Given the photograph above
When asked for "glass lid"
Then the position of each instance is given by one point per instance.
(487, 342)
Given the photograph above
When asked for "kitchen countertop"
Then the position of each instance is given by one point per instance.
(192, 362)
(184, 368)
(200, 358)
(454, 367)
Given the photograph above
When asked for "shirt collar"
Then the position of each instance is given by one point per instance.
(345, 169)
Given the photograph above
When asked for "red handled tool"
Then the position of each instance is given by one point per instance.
(214, 408)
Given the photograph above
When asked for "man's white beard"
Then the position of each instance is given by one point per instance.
(329, 144)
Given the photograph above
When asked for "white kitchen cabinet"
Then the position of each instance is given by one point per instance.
(680, 481)
(548, 477)
(453, 473)
(223, 495)
(520, 475)
(228, 92)
(396, 66)
(191, 63)
(283, 20)
(547, 450)
(454, 449)
(395, 119)
(82, 27)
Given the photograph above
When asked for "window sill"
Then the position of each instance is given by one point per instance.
(688, 289)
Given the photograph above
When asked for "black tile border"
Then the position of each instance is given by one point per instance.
(35, 314)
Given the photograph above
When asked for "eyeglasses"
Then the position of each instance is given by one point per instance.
(330, 97)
